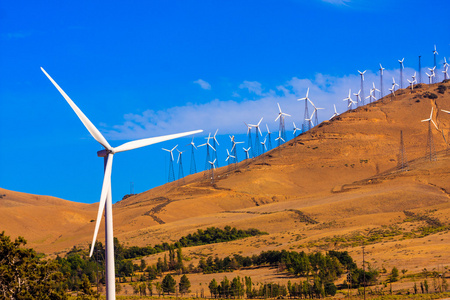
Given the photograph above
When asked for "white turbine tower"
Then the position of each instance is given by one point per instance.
(362, 84)
(371, 97)
(430, 77)
(357, 96)
(257, 129)
(401, 72)
(306, 114)
(106, 196)
(434, 54)
(381, 81)
(335, 112)
(281, 116)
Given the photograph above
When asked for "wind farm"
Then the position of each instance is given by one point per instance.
(250, 193)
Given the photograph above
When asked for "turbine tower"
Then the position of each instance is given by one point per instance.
(208, 145)
(193, 166)
(445, 69)
(234, 148)
(215, 144)
(381, 81)
(281, 116)
(362, 85)
(306, 115)
(256, 152)
(430, 77)
(212, 168)
(230, 161)
(434, 55)
(171, 170)
(402, 161)
(316, 119)
(269, 139)
(279, 139)
(431, 151)
(247, 156)
(180, 168)
(373, 90)
(249, 138)
(349, 99)
(106, 195)
(357, 96)
(420, 70)
(401, 72)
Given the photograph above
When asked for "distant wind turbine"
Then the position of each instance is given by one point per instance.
(362, 84)
(335, 112)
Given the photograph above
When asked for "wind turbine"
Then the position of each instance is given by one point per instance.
(362, 84)
(349, 98)
(193, 166)
(171, 170)
(263, 144)
(430, 143)
(249, 138)
(212, 168)
(414, 77)
(280, 138)
(269, 138)
(234, 148)
(335, 112)
(401, 72)
(180, 166)
(208, 145)
(295, 129)
(228, 158)
(445, 73)
(357, 96)
(433, 74)
(247, 156)
(316, 119)
(215, 144)
(394, 84)
(434, 54)
(430, 77)
(106, 195)
(371, 97)
(381, 81)
(256, 137)
(306, 115)
(374, 89)
(281, 116)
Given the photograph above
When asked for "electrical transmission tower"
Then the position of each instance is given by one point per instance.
(431, 151)
(402, 161)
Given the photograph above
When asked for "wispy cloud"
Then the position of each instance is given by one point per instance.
(15, 35)
(337, 2)
(203, 84)
(252, 87)
(229, 115)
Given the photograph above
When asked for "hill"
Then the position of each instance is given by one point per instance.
(329, 188)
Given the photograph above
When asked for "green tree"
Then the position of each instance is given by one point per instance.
(184, 285)
(393, 277)
(24, 276)
(168, 284)
(213, 288)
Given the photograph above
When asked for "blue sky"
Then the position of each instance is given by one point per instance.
(148, 68)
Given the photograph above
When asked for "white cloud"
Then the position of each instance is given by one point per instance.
(252, 87)
(229, 115)
(203, 84)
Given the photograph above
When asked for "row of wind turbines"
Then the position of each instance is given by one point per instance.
(256, 147)
(105, 205)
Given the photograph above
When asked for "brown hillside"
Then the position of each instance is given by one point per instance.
(341, 174)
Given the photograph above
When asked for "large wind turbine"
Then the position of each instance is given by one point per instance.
(171, 169)
(106, 196)
(281, 116)
(306, 116)
(349, 99)
(257, 153)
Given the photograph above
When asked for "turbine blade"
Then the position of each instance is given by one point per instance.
(86, 122)
(149, 141)
(105, 189)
